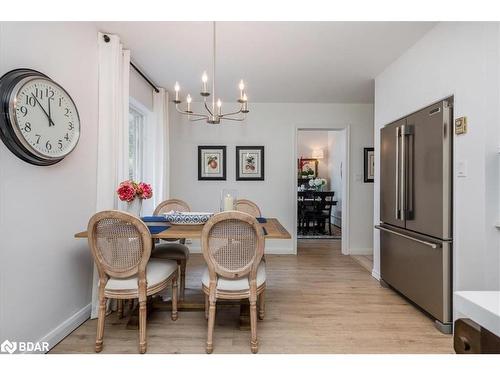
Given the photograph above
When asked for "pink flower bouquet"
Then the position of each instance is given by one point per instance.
(129, 190)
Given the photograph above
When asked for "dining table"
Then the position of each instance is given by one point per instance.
(271, 228)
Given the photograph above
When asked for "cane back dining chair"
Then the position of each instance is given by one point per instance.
(233, 245)
(174, 249)
(245, 205)
(121, 246)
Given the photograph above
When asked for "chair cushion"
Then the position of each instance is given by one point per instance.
(233, 285)
(175, 251)
(157, 271)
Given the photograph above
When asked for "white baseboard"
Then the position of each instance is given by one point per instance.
(271, 250)
(66, 327)
(375, 275)
(360, 251)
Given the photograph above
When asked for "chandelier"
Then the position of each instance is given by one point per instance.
(212, 111)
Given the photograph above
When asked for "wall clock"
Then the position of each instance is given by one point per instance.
(39, 121)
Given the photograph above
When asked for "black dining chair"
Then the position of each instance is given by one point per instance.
(321, 212)
(305, 204)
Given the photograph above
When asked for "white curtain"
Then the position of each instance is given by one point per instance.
(112, 154)
(157, 153)
(161, 169)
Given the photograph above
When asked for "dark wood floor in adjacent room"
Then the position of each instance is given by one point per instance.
(316, 302)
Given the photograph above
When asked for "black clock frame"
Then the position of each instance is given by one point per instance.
(7, 83)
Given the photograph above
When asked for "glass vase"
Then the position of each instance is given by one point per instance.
(228, 199)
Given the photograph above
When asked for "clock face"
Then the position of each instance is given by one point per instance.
(44, 118)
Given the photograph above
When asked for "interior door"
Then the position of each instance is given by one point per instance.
(427, 170)
(390, 174)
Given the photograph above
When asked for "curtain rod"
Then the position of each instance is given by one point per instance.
(144, 77)
(107, 39)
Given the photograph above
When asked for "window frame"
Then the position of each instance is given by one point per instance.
(146, 114)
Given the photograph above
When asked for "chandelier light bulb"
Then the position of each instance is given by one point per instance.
(242, 90)
(204, 79)
(219, 107)
(177, 88)
(189, 99)
(245, 98)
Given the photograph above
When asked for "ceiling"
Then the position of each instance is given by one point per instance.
(317, 62)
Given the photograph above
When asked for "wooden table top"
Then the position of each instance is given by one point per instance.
(272, 227)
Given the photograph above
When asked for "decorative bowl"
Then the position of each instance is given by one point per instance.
(188, 218)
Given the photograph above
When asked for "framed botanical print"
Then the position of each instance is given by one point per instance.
(308, 168)
(250, 163)
(211, 162)
(369, 164)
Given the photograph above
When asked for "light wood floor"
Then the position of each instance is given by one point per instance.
(365, 261)
(317, 302)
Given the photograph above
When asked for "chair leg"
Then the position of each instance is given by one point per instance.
(261, 306)
(142, 325)
(120, 308)
(175, 291)
(183, 279)
(101, 316)
(253, 326)
(211, 323)
(206, 306)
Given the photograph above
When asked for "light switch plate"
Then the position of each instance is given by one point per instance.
(462, 168)
(461, 125)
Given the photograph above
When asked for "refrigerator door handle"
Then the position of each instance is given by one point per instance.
(430, 244)
(408, 134)
(398, 208)
(402, 184)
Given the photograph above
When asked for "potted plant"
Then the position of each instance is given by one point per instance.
(133, 193)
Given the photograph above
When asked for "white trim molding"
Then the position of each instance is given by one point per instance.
(345, 184)
(66, 327)
(196, 249)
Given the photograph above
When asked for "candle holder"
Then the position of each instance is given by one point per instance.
(228, 199)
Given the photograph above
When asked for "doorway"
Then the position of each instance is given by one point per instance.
(321, 185)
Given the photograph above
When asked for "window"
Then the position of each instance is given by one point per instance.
(136, 140)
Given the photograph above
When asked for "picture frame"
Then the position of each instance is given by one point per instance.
(250, 163)
(309, 166)
(369, 164)
(211, 163)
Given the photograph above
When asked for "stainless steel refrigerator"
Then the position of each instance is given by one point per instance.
(416, 209)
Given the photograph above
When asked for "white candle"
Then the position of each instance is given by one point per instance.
(219, 107)
(242, 88)
(204, 79)
(228, 203)
(177, 88)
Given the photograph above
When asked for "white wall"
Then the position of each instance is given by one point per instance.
(45, 278)
(310, 140)
(337, 165)
(460, 59)
(274, 126)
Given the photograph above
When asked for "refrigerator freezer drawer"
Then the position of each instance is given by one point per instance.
(419, 268)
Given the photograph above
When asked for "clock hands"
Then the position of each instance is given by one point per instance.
(44, 111)
(50, 117)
